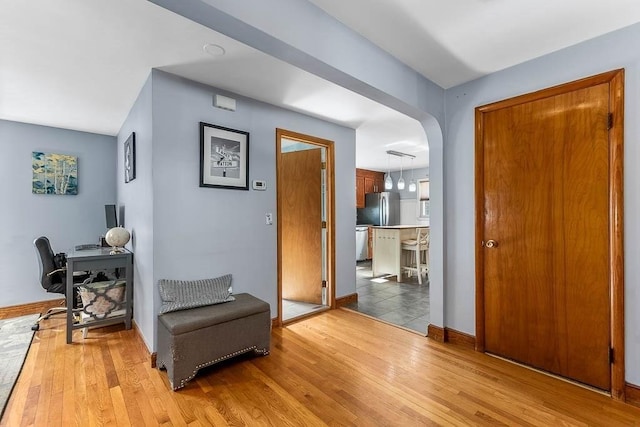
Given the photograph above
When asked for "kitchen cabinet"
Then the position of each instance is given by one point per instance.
(359, 191)
(369, 185)
(367, 181)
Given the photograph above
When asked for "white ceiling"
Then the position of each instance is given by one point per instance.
(80, 64)
(455, 41)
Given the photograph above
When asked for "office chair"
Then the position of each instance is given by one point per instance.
(53, 277)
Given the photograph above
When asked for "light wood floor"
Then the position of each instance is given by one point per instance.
(338, 368)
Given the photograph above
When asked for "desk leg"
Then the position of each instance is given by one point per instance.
(69, 301)
(129, 293)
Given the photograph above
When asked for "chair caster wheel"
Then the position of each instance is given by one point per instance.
(35, 327)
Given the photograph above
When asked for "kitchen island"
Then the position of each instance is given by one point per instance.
(387, 251)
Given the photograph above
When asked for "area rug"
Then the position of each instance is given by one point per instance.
(15, 339)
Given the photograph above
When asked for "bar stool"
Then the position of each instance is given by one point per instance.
(418, 255)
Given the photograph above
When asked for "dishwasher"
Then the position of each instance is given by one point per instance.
(362, 243)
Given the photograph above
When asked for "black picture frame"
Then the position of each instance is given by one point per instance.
(224, 157)
(130, 158)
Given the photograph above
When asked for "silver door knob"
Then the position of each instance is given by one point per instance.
(491, 244)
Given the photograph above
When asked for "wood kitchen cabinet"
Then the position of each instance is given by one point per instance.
(359, 191)
(369, 185)
(367, 181)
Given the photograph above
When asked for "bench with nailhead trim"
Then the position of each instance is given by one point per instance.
(189, 340)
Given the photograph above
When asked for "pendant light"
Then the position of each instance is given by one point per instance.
(412, 183)
(388, 182)
(401, 180)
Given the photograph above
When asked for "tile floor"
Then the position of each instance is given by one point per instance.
(405, 304)
(292, 309)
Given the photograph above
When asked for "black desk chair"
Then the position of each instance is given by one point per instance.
(53, 276)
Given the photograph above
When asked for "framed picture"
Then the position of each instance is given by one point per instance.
(54, 173)
(130, 158)
(224, 157)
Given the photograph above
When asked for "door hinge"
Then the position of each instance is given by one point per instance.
(610, 122)
(611, 356)
(324, 283)
(324, 224)
(324, 165)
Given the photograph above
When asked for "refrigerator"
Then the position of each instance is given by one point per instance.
(380, 209)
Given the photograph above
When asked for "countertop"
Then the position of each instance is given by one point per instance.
(399, 227)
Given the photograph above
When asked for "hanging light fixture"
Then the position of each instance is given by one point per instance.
(401, 180)
(412, 183)
(388, 182)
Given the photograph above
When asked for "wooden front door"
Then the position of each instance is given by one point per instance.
(544, 222)
(301, 219)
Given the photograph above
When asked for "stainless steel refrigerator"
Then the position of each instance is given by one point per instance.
(380, 209)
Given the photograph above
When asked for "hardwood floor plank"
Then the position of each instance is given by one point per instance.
(308, 388)
(362, 356)
(80, 391)
(68, 394)
(159, 414)
(279, 398)
(120, 407)
(338, 368)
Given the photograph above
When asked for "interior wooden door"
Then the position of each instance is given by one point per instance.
(544, 221)
(301, 219)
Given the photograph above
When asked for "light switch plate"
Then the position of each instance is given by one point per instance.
(259, 185)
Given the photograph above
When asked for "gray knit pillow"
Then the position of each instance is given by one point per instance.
(183, 294)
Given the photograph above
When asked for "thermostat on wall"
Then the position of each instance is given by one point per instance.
(259, 185)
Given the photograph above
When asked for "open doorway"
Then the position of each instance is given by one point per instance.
(305, 225)
(400, 299)
(392, 202)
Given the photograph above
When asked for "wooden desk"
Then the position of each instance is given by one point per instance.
(387, 252)
(95, 260)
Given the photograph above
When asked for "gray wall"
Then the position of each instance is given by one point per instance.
(343, 57)
(135, 198)
(615, 50)
(206, 232)
(66, 220)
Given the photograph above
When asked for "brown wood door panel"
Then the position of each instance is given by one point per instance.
(360, 191)
(369, 184)
(546, 202)
(301, 219)
(380, 183)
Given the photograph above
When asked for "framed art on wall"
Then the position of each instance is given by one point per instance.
(54, 173)
(130, 158)
(224, 157)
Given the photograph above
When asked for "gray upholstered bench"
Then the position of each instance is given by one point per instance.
(191, 339)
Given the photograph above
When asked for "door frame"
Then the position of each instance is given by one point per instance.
(615, 79)
(330, 210)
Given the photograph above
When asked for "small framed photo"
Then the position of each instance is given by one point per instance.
(224, 157)
(130, 158)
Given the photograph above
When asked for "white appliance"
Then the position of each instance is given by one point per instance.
(362, 243)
